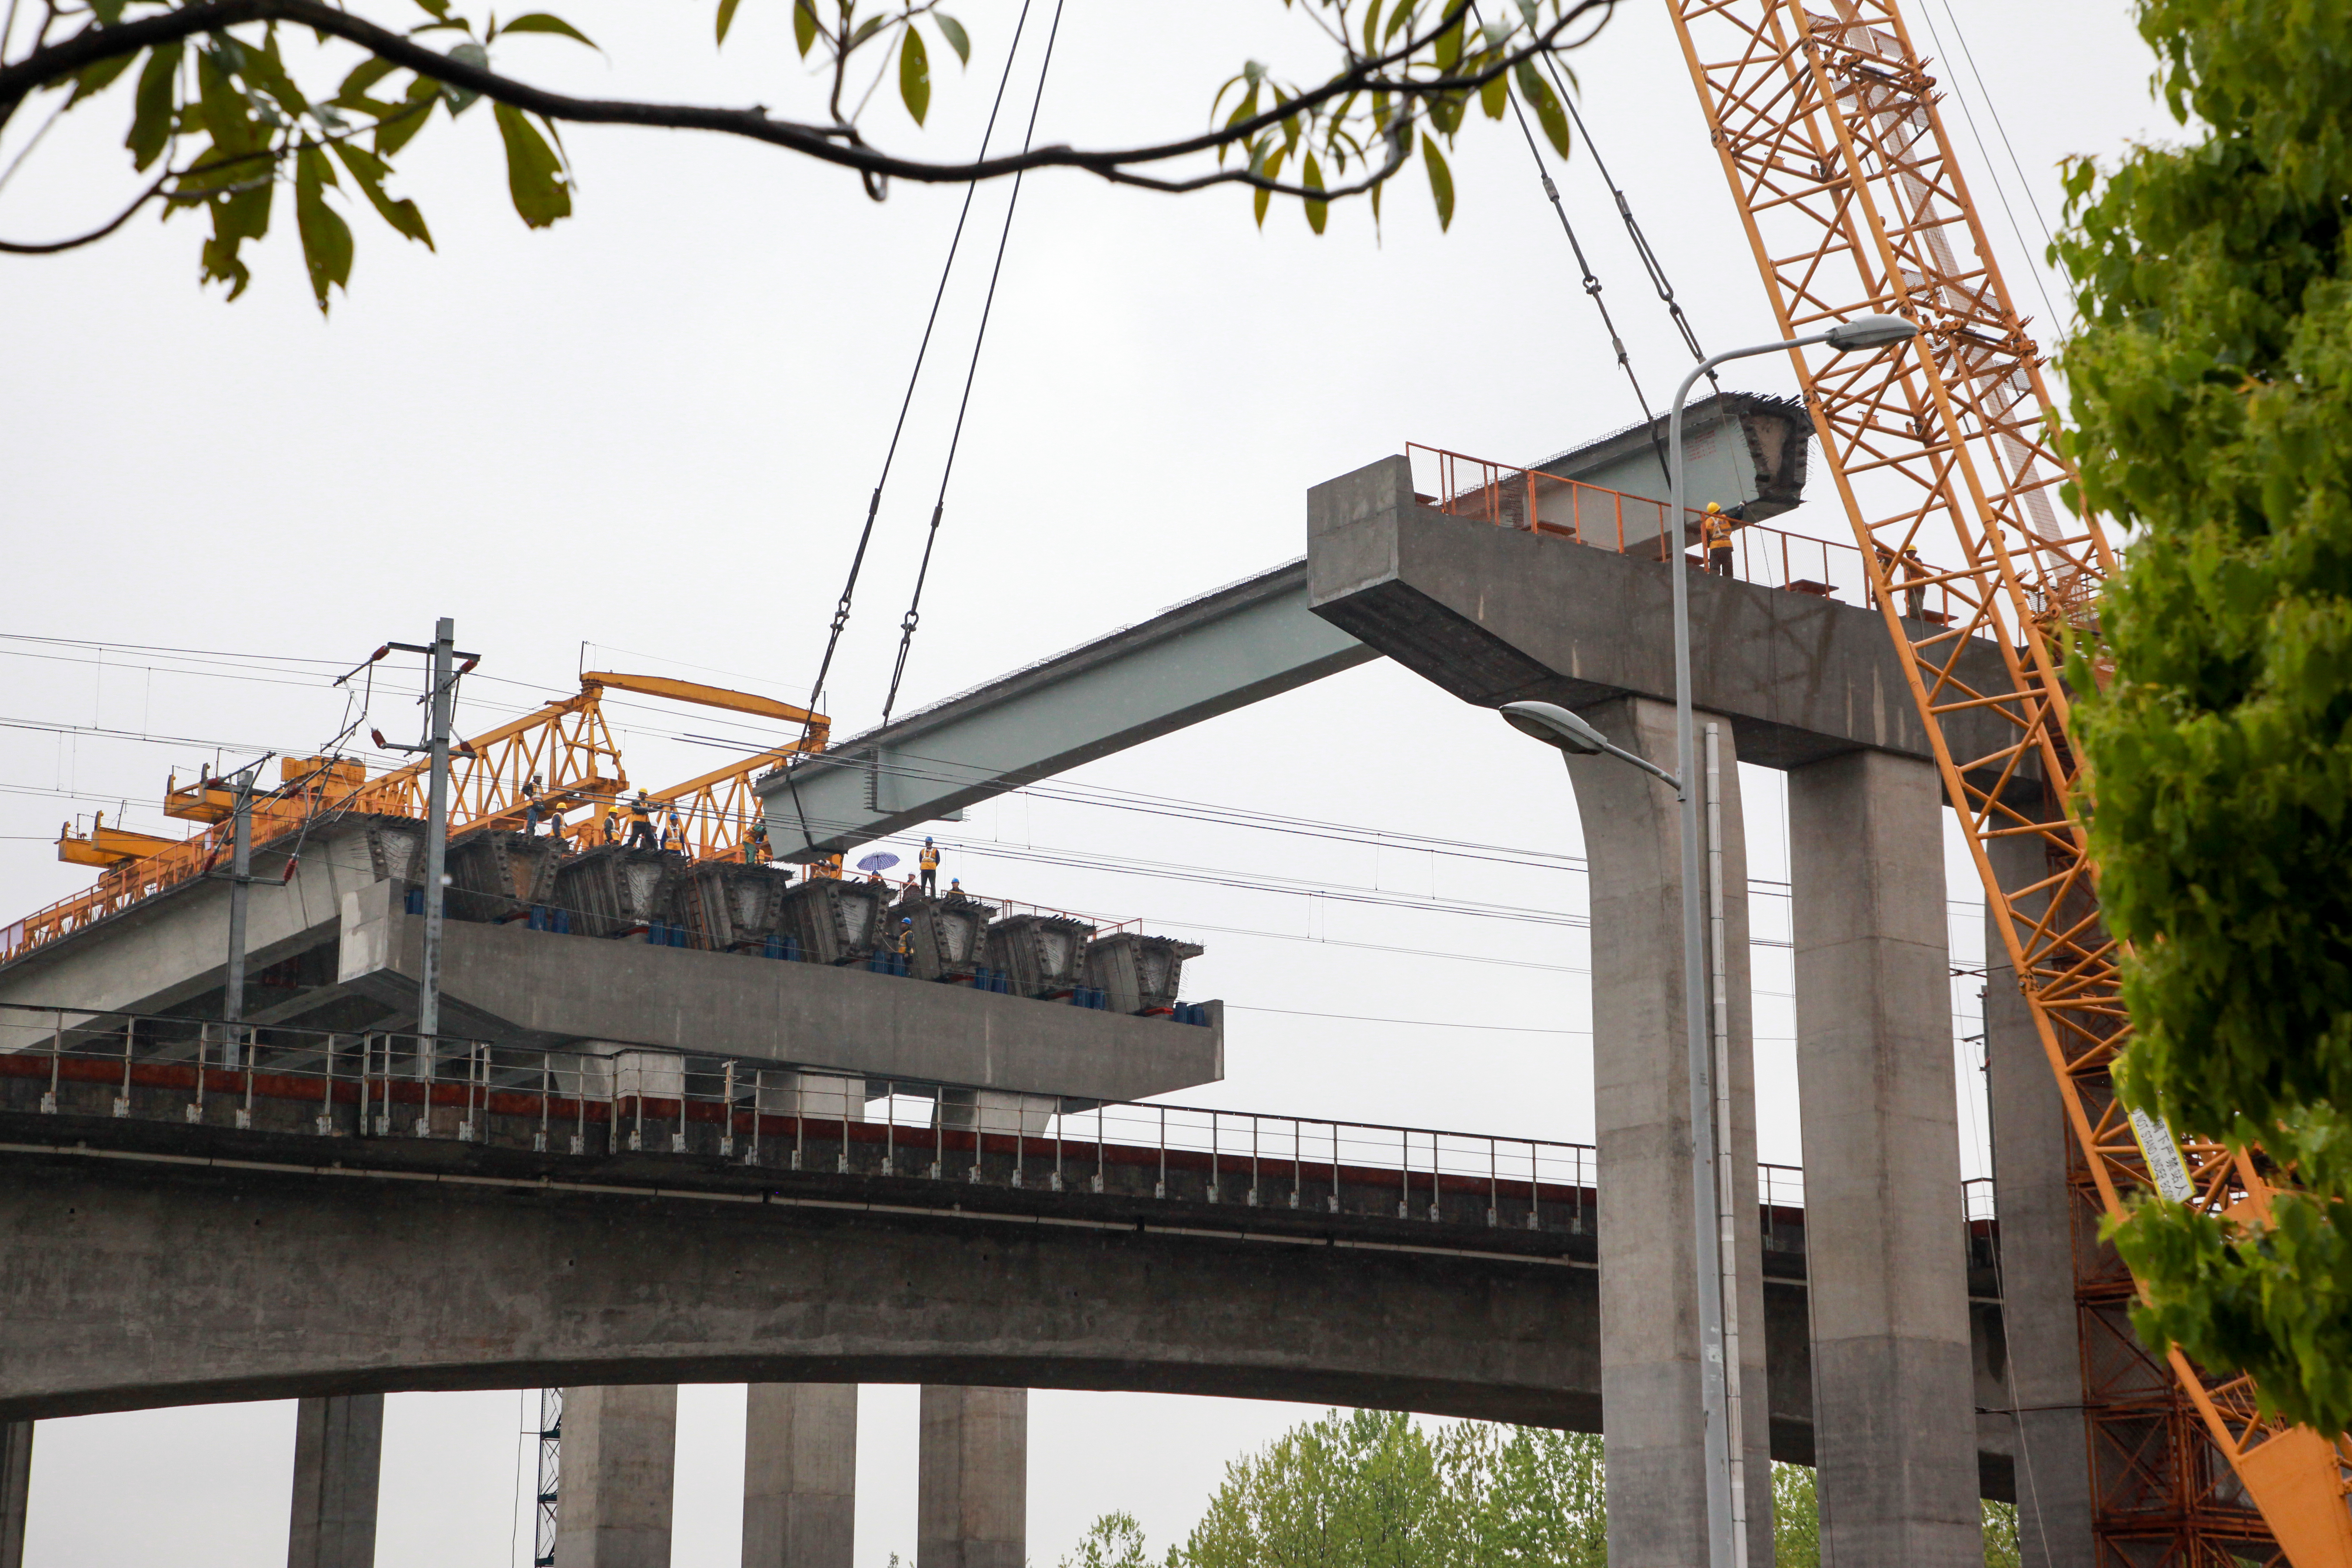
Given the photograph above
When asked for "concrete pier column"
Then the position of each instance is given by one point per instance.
(2031, 1145)
(1652, 1427)
(974, 1505)
(16, 1490)
(337, 1461)
(620, 1448)
(1894, 1403)
(800, 1475)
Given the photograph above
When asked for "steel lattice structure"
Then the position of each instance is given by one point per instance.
(1827, 128)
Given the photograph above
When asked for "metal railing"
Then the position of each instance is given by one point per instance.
(1531, 499)
(779, 1115)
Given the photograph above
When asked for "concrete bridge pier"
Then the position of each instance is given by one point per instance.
(2040, 1330)
(15, 1488)
(337, 1465)
(1893, 1441)
(800, 1475)
(973, 1504)
(1651, 1428)
(620, 1448)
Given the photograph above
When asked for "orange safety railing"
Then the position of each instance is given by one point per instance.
(1542, 503)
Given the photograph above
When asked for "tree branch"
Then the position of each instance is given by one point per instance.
(837, 144)
(10, 247)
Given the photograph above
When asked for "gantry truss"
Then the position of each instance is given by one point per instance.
(1943, 449)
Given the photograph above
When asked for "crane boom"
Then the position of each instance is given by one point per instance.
(1825, 122)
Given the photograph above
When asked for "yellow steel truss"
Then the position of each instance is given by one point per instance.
(1827, 127)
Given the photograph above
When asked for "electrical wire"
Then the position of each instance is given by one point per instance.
(979, 337)
(1417, 1023)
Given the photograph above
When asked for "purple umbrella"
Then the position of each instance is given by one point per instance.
(880, 861)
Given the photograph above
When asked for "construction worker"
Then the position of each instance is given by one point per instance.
(555, 830)
(955, 887)
(929, 861)
(755, 844)
(827, 869)
(1715, 537)
(641, 822)
(1915, 583)
(530, 807)
(672, 831)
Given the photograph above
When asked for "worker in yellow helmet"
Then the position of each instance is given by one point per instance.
(1715, 528)
(640, 813)
(930, 862)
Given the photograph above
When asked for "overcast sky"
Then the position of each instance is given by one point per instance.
(652, 431)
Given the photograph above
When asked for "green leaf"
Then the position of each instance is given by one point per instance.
(352, 94)
(151, 121)
(952, 31)
(236, 218)
(469, 53)
(540, 22)
(1317, 213)
(867, 29)
(368, 172)
(436, 9)
(1496, 95)
(107, 12)
(1546, 103)
(97, 76)
(534, 173)
(1406, 10)
(727, 18)
(1271, 169)
(398, 131)
(1371, 27)
(228, 115)
(1449, 47)
(915, 75)
(803, 25)
(1441, 181)
(326, 237)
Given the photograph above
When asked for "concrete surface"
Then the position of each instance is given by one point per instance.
(1496, 615)
(337, 1461)
(800, 1475)
(1895, 1449)
(16, 1490)
(535, 987)
(2031, 1145)
(972, 1498)
(613, 1503)
(1652, 1432)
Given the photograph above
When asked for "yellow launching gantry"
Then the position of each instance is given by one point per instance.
(566, 746)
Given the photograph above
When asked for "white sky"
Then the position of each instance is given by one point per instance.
(654, 428)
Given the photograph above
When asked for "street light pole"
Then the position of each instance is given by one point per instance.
(1713, 1235)
(1713, 1232)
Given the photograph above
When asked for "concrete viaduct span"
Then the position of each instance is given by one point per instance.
(1877, 1372)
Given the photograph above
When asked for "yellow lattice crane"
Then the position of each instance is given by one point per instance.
(1826, 121)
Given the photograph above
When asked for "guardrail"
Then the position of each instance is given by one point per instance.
(1542, 503)
(761, 1112)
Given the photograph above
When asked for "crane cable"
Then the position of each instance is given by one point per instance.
(931, 538)
(874, 505)
(914, 377)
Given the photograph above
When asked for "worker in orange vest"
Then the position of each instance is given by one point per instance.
(1715, 537)
(930, 862)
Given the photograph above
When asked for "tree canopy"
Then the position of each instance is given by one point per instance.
(226, 104)
(1367, 1489)
(2209, 382)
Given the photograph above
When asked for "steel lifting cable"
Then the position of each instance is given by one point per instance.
(939, 507)
(874, 505)
(1584, 266)
(914, 377)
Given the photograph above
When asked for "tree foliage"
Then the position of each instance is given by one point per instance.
(1370, 1489)
(2210, 384)
(224, 112)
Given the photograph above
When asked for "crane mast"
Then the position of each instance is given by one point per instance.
(1943, 450)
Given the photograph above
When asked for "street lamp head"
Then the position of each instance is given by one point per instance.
(1554, 726)
(1869, 332)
